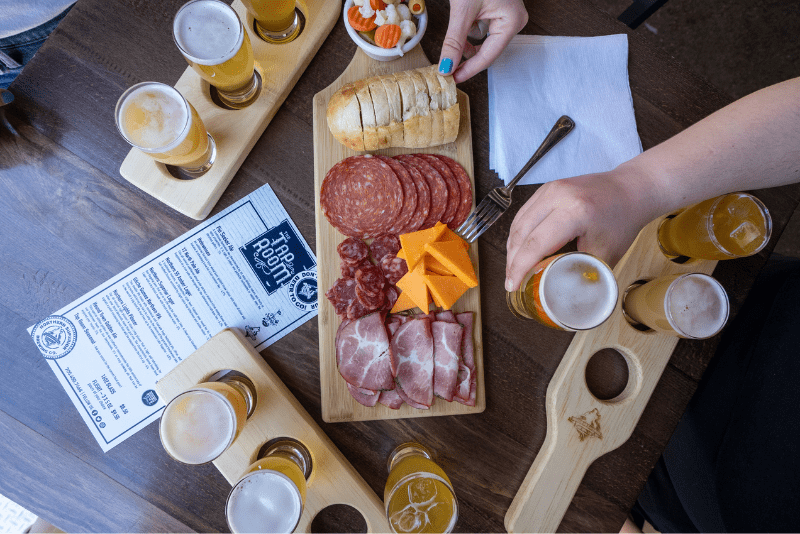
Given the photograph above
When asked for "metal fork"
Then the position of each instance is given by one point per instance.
(499, 199)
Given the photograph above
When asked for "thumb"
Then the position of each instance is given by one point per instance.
(462, 14)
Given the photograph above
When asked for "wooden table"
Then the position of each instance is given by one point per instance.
(69, 222)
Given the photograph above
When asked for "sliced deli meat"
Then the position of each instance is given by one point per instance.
(391, 399)
(465, 187)
(423, 199)
(383, 245)
(341, 295)
(412, 360)
(363, 355)
(353, 250)
(453, 189)
(466, 390)
(436, 184)
(446, 356)
(408, 400)
(408, 211)
(363, 396)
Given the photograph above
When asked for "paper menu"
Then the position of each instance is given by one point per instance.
(248, 267)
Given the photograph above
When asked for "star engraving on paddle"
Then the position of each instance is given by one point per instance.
(588, 424)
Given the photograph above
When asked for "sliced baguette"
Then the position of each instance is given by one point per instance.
(344, 117)
(435, 94)
(451, 113)
(368, 123)
(408, 98)
(380, 104)
(395, 109)
(423, 108)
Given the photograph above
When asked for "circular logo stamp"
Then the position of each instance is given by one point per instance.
(149, 397)
(303, 290)
(55, 336)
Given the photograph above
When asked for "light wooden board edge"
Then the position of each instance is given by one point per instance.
(337, 403)
(234, 131)
(277, 414)
(557, 471)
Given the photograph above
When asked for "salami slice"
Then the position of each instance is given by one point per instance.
(370, 279)
(393, 268)
(370, 301)
(437, 186)
(409, 195)
(465, 185)
(349, 270)
(391, 297)
(453, 189)
(341, 295)
(423, 199)
(353, 250)
(361, 196)
(383, 245)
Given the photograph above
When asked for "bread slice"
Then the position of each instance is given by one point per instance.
(408, 100)
(380, 104)
(344, 117)
(423, 108)
(395, 109)
(435, 94)
(367, 115)
(451, 114)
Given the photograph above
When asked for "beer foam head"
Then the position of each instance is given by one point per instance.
(578, 291)
(153, 116)
(697, 306)
(197, 426)
(208, 32)
(264, 501)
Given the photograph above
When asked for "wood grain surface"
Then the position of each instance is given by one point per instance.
(337, 403)
(69, 222)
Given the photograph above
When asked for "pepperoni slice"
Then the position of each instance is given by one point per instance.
(361, 196)
(409, 195)
(353, 250)
(370, 278)
(370, 301)
(465, 185)
(393, 268)
(437, 186)
(423, 199)
(453, 190)
(383, 245)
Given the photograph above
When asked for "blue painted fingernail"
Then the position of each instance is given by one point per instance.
(445, 65)
(6, 97)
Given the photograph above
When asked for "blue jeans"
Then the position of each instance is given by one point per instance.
(23, 46)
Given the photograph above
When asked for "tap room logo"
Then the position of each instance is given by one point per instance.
(276, 256)
(55, 336)
(303, 290)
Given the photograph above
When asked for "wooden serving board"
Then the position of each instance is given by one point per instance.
(277, 414)
(234, 131)
(337, 404)
(581, 428)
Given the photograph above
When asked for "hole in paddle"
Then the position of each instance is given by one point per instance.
(338, 518)
(607, 374)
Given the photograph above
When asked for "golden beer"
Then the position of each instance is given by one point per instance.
(276, 20)
(572, 291)
(270, 495)
(691, 306)
(213, 41)
(156, 119)
(418, 496)
(198, 425)
(730, 226)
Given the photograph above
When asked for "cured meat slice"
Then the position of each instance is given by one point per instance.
(453, 189)
(393, 268)
(412, 360)
(363, 353)
(438, 187)
(383, 245)
(464, 383)
(353, 250)
(467, 377)
(391, 399)
(409, 195)
(362, 396)
(342, 325)
(391, 297)
(411, 402)
(370, 279)
(473, 393)
(465, 186)
(361, 196)
(370, 301)
(467, 319)
(341, 295)
(423, 199)
(392, 324)
(446, 355)
(446, 316)
(349, 270)
(357, 308)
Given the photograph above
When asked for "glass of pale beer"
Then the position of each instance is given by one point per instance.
(571, 291)
(156, 119)
(270, 495)
(691, 306)
(722, 228)
(198, 425)
(277, 21)
(214, 42)
(418, 496)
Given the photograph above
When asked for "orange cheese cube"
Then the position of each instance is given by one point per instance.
(414, 287)
(454, 257)
(413, 243)
(446, 290)
(403, 303)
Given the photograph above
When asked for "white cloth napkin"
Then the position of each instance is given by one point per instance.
(536, 80)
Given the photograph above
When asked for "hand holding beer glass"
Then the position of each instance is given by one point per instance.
(214, 42)
(198, 425)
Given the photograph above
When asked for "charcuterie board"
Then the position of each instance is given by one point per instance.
(277, 414)
(337, 403)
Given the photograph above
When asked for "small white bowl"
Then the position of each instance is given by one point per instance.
(385, 54)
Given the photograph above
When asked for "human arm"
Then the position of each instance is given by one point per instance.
(752, 143)
(506, 18)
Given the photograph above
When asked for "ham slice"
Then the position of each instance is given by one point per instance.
(367, 397)
(412, 360)
(446, 355)
(409, 401)
(466, 390)
(362, 352)
(391, 398)
(446, 316)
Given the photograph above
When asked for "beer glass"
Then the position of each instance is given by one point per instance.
(691, 306)
(277, 21)
(418, 495)
(213, 41)
(270, 495)
(156, 119)
(572, 291)
(198, 425)
(730, 226)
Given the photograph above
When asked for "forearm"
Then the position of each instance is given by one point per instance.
(751, 144)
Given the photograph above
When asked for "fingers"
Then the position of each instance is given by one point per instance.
(462, 15)
(491, 48)
(529, 215)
